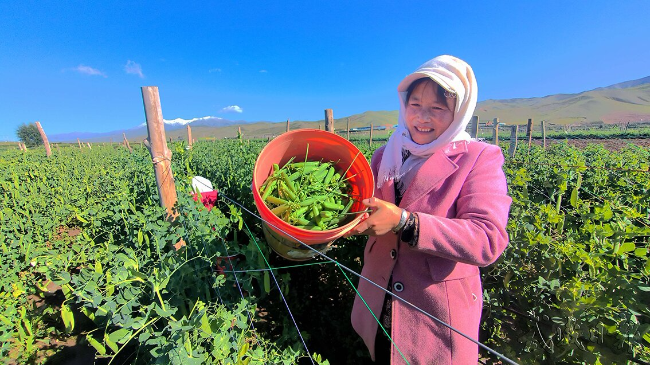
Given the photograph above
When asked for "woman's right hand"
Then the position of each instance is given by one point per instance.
(384, 217)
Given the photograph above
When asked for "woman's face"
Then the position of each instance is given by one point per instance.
(427, 113)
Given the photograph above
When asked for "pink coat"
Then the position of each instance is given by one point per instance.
(462, 203)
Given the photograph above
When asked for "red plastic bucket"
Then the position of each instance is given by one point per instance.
(283, 237)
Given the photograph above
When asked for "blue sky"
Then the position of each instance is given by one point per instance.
(77, 66)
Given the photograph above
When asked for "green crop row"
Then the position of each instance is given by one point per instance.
(572, 287)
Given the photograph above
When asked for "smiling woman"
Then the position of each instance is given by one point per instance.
(433, 223)
(429, 112)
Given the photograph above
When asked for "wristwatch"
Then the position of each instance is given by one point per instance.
(402, 221)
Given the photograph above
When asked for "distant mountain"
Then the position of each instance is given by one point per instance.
(623, 102)
(626, 84)
(140, 131)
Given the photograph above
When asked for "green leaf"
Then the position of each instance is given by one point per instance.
(68, 318)
(120, 336)
(640, 252)
(205, 324)
(242, 351)
(110, 343)
(140, 238)
(267, 282)
(81, 219)
(6, 321)
(98, 267)
(626, 247)
(98, 346)
(574, 197)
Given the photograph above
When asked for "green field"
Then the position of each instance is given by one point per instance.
(88, 257)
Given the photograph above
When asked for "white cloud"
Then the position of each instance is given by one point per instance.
(87, 70)
(263, 71)
(214, 70)
(133, 68)
(232, 109)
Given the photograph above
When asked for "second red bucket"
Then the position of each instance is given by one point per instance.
(284, 238)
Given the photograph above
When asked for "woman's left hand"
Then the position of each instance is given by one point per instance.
(384, 217)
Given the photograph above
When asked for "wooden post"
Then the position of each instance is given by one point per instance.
(89, 146)
(79, 142)
(348, 129)
(495, 131)
(544, 134)
(473, 129)
(160, 153)
(287, 125)
(370, 140)
(48, 151)
(239, 135)
(513, 140)
(189, 136)
(329, 120)
(529, 132)
(126, 142)
(20, 146)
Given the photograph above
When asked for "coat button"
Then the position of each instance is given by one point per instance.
(398, 287)
(393, 253)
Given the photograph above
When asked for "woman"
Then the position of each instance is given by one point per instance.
(439, 212)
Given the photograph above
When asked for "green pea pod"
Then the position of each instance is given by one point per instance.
(328, 177)
(299, 213)
(332, 206)
(288, 182)
(269, 189)
(279, 209)
(287, 192)
(302, 221)
(276, 200)
(294, 176)
(300, 165)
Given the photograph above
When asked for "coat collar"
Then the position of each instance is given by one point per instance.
(436, 169)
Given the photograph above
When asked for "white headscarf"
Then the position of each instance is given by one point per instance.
(456, 77)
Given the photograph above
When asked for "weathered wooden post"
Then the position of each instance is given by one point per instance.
(529, 132)
(48, 151)
(544, 134)
(161, 156)
(79, 143)
(89, 146)
(239, 135)
(370, 140)
(189, 136)
(348, 129)
(473, 129)
(20, 146)
(329, 120)
(513, 140)
(126, 142)
(287, 125)
(495, 131)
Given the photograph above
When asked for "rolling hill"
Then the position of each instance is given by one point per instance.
(619, 103)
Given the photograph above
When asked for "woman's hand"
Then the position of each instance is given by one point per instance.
(384, 217)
